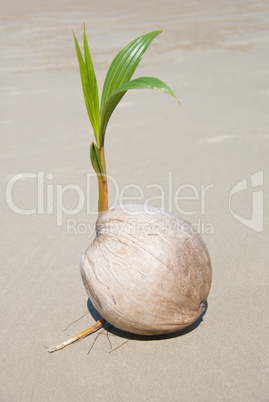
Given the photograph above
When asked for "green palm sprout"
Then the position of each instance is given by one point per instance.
(117, 83)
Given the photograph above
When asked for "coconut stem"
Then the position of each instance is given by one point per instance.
(102, 184)
(88, 331)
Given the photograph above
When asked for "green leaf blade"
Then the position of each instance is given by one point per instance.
(145, 83)
(115, 97)
(92, 79)
(89, 86)
(107, 111)
(119, 73)
(125, 63)
(96, 160)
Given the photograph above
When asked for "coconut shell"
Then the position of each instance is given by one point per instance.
(147, 271)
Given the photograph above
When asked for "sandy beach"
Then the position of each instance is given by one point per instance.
(211, 149)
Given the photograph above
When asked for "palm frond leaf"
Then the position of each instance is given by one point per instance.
(89, 85)
(120, 72)
(138, 83)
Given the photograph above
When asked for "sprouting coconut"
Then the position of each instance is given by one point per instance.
(147, 271)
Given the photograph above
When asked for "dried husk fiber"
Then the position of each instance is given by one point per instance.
(147, 271)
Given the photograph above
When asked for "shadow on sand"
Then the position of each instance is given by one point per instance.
(127, 335)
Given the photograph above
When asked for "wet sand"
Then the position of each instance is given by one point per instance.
(215, 57)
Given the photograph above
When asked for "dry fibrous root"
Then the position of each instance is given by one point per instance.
(81, 335)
